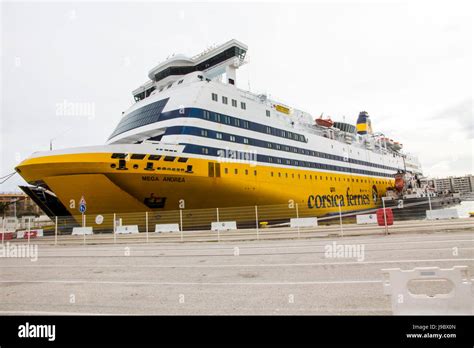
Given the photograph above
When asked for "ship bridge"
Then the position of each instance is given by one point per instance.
(214, 62)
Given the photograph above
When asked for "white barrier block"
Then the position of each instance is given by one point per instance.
(442, 214)
(126, 229)
(304, 222)
(366, 219)
(166, 228)
(458, 301)
(223, 225)
(80, 231)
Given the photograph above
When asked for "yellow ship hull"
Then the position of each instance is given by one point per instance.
(170, 186)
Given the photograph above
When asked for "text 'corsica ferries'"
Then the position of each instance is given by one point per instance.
(194, 140)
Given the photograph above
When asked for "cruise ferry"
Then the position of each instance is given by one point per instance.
(193, 140)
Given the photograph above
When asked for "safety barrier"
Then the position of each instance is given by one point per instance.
(457, 301)
(442, 214)
(223, 225)
(303, 222)
(79, 231)
(166, 228)
(126, 229)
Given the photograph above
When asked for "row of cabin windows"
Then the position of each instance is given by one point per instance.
(287, 148)
(236, 171)
(315, 177)
(270, 159)
(225, 101)
(232, 121)
(150, 157)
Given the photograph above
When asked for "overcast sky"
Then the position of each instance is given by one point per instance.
(409, 64)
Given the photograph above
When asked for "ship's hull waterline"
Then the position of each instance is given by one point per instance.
(171, 186)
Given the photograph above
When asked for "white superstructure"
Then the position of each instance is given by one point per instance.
(208, 114)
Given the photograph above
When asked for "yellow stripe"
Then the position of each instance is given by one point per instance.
(362, 127)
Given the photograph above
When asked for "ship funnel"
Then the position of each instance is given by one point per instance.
(363, 123)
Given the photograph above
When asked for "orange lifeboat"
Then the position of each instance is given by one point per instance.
(324, 122)
(399, 183)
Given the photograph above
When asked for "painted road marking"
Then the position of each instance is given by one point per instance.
(241, 265)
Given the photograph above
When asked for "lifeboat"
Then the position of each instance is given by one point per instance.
(399, 182)
(397, 145)
(324, 122)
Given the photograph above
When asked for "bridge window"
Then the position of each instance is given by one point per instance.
(169, 158)
(137, 156)
(154, 157)
(182, 159)
(145, 115)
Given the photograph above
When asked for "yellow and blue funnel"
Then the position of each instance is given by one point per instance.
(363, 123)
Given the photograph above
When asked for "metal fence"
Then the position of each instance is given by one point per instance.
(231, 223)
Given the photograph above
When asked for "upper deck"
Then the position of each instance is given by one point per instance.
(214, 62)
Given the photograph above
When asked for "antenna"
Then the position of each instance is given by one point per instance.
(57, 136)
